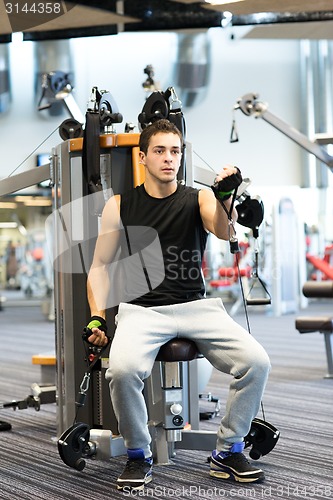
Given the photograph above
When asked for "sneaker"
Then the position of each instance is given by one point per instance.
(233, 464)
(137, 472)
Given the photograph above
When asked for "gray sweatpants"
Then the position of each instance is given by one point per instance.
(229, 347)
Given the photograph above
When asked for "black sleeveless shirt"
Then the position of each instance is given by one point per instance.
(180, 237)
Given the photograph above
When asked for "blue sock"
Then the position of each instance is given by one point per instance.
(138, 454)
(235, 448)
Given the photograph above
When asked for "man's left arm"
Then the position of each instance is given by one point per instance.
(214, 217)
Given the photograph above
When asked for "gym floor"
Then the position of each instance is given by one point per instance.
(298, 401)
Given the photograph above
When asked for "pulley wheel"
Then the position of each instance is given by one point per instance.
(72, 444)
(70, 129)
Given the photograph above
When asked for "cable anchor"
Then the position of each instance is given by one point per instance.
(233, 241)
(84, 387)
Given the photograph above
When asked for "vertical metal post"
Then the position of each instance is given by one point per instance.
(307, 109)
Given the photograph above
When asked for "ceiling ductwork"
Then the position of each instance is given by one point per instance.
(51, 57)
(5, 94)
(192, 68)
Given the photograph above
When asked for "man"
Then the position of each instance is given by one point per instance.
(183, 217)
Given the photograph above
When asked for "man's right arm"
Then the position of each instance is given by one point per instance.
(98, 285)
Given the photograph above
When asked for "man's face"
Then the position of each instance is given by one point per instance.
(163, 157)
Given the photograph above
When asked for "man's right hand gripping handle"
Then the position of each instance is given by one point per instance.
(95, 332)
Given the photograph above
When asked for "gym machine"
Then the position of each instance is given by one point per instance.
(117, 168)
(80, 189)
(57, 87)
(250, 105)
(113, 164)
(169, 406)
(86, 171)
(322, 324)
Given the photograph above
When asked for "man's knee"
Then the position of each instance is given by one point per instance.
(255, 363)
(261, 363)
(118, 371)
(122, 372)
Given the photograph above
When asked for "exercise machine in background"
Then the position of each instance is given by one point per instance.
(321, 324)
(57, 87)
(250, 105)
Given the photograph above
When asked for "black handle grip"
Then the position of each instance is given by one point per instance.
(86, 334)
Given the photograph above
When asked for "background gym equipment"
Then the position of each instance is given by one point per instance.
(40, 395)
(150, 84)
(165, 105)
(322, 324)
(57, 87)
(251, 214)
(258, 295)
(251, 106)
(323, 265)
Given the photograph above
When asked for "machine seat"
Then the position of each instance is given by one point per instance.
(310, 324)
(318, 289)
(178, 350)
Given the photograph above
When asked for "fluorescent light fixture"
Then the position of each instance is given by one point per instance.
(20, 198)
(22, 230)
(30, 201)
(37, 202)
(222, 2)
(7, 204)
(17, 37)
(8, 225)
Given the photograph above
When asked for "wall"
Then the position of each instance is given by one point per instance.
(116, 63)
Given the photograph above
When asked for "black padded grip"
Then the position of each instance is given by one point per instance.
(318, 289)
(223, 188)
(94, 322)
(231, 182)
(100, 323)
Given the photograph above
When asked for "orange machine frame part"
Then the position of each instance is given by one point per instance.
(115, 141)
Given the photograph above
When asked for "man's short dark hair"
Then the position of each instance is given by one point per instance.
(163, 126)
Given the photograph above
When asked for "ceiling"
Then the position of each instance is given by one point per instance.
(267, 18)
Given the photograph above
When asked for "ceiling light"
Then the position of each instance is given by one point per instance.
(22, 230)
(8, 225)
(7, 204)
(38, 203)
(222, 2)
(20, 198)
(30, 201)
